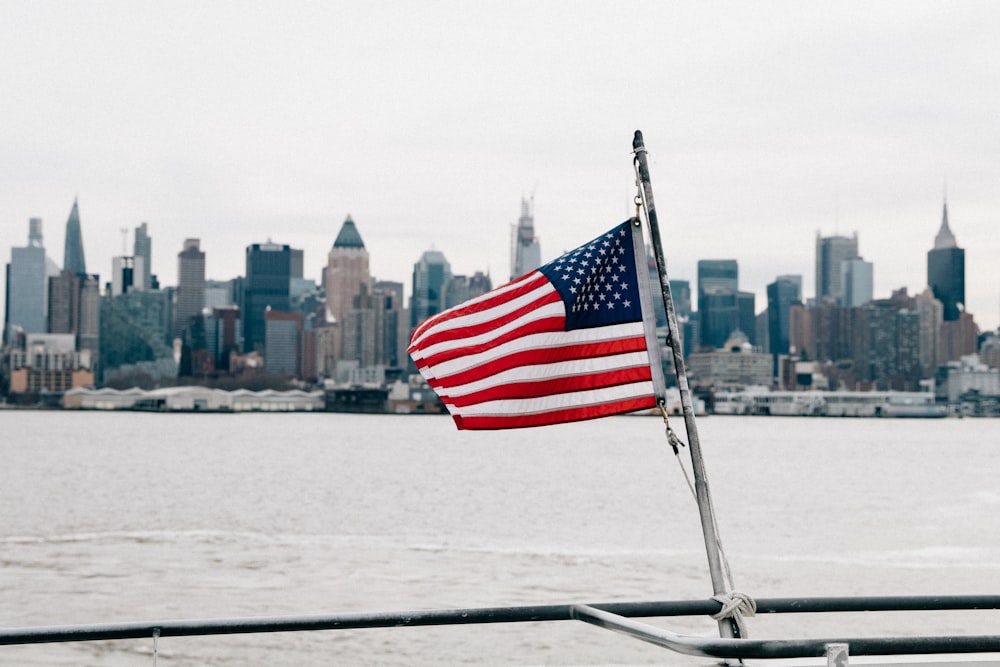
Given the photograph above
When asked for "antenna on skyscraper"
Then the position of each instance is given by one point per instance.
(124, 231)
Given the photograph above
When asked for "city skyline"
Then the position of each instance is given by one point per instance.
(765, 125)
(148, 233)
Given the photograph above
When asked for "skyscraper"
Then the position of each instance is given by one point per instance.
(781, 294)
(430, 277)
(73, 256)
(143, 247)
(830, 252)
(347, 273)
(719, 305)
(267, 286)
(946, 270)
(856, 281)
(27, 286)
(190, 295)
(526, 252)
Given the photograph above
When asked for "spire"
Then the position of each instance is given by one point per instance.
(73, 259)
(348, 236)
(944, 238)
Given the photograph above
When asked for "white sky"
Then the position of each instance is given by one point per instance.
(235, 122)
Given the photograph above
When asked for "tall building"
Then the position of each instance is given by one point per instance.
(946, 270)
(719, 303)
(526, 252)
(143, 247)
(27, 286)
(857, 282)
(781, 294)
(347, 274)
(190, 295)
(126, 275)
(74, 307)
(73, 259)
(283, 343)
(267, 285)
(931, 315)
(831, 251)
(430, 277)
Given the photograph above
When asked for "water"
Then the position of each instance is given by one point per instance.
(130, 517)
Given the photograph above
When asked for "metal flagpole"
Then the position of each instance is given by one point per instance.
(727, 627)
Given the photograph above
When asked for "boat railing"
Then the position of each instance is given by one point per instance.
(617, 616)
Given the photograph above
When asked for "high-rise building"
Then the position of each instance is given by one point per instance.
(830, 252)
(946, 270)
(857, 282)
(143, 247)
(126, 275)
(781, 294)
(719, 303)
(190, 295)
(526, 252)
(27, 286)
(347, 274)
(283, 343)
(430, 277)
(74, 307)
(73, 259)
(267, 285)
(931, 315)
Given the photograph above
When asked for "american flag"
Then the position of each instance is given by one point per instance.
(569, 341)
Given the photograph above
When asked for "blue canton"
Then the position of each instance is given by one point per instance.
(597, 281)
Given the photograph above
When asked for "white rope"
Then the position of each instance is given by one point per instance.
(156, 636)
(735, 606)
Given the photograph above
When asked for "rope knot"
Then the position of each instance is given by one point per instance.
(735, 605)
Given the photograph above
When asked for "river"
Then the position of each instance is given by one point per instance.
(108, 517)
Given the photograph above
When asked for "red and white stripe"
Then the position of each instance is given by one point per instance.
(504, 360)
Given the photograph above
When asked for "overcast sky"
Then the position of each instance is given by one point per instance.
(239, 122)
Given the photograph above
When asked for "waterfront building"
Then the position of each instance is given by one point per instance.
(526, 251)
(49, 363)
(73, 258)
(142, 246)
(267, 285)
(946, 270)
(887, 345)
(736, 363)
(189, 299)
(430, 276)
(831, 251)
(964, 375)
(27, 286)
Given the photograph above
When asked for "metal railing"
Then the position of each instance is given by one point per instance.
(615, 616)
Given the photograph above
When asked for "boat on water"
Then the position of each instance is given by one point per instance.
(619, 385)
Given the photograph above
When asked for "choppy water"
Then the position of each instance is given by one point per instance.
(129, 517)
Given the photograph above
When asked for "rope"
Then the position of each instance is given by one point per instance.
(735, 606)
(744, 604)
(676, 444)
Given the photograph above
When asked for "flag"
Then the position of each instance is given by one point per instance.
(572, 340)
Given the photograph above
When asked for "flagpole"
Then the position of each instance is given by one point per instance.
(727, 627)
